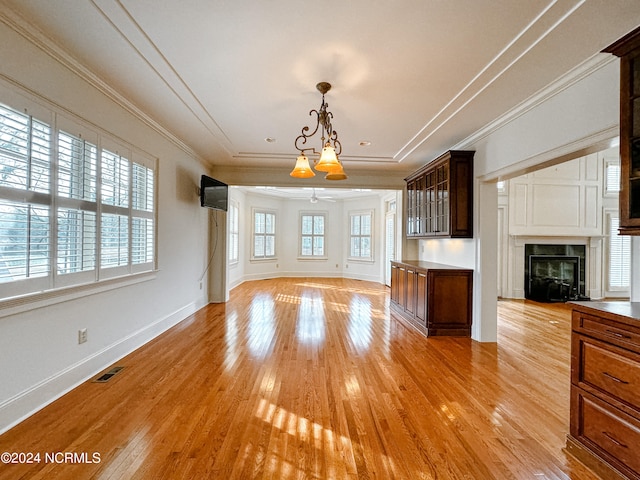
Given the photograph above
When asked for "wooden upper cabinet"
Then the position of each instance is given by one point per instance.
(440, 197)
(628, 49)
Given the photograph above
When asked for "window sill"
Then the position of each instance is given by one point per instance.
(261, 260)
(360, 260)
(313, 259)
(33, 301)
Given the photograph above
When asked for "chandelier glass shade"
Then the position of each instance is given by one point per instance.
(331, 147)
(302, 168)
(336, 173)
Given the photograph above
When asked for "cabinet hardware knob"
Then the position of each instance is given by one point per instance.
(615, 379)
(620, 444)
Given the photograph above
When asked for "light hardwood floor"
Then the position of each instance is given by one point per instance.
(314, 379)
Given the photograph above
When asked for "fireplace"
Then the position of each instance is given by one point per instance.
(555, 273)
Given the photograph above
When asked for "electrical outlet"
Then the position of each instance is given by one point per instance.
(82, 335)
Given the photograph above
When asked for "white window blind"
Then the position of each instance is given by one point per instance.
(114, 247)
(360, 236)
(143, 220)
(142, 240)
(312, 235)
(619, 257)
(25, 178)
(612, 177)
(25, 152)
(77, 168)
(24, 241)
(114, 179)
(264, 235)
(76, 240)
(53, 230)
(142, 188)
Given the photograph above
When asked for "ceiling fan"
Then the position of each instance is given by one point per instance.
(314, 198)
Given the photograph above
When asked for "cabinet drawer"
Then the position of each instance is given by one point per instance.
(612, 433)
(607, 329)
(609, 369)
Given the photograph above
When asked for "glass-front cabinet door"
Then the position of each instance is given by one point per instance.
(442, 200)
(634, 138)
(440, 197)
(628, 49)
(411, 209)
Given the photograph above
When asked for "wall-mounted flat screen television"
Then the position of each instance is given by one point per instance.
(213, 193)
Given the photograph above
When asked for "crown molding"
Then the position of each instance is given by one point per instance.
(32, 34)
(592, 143)
(573, 76)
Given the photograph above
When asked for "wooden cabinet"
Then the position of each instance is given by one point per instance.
(440, 197)
(628, 49)
(605, 387)
(434, 298)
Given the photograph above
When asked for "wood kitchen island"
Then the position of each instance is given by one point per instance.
(605, 387)
(434, 298)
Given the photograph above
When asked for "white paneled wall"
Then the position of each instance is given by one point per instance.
(561, 204)
(563, 200)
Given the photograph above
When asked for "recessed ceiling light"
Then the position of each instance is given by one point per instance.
(270, 140)
(365, 143)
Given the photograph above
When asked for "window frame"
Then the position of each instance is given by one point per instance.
(611, 188)
(233, 226)
(360, 258)
(625, 253)
(72, 269)
(265, 235)
(313, 235)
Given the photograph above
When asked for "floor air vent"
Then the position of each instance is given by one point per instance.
(105, 377)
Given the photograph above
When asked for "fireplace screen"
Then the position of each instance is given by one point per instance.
(554, 278)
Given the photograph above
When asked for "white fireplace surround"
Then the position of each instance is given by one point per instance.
(594, 287)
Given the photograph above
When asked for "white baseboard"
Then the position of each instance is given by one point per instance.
(26, 403)
(269, 275)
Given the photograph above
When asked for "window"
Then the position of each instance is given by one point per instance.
(312, 235)
(360, 235)
(264, 235)
(69, 210)
(619, 246)
(612, 177)
(233, 227)
(391, 206)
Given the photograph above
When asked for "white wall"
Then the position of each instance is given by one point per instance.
(459, 252)
(236, 271)
(577, 116)
(40, 357)
(287, 262)
(561, 204)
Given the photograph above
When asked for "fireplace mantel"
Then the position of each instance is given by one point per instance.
(521, 240)
(593, 261)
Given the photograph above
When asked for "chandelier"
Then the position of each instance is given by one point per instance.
(328, 160)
